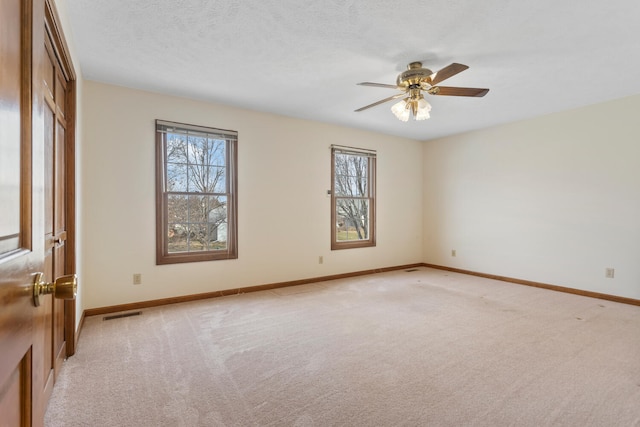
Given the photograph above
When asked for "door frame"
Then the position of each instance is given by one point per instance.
(53, 30)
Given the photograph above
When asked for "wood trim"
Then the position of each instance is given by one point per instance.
(52, 20)
(61, 50)
(195, 297)
(162, 254)
(232, 205)
(160, 178)
(557, 288)
(70, 242)
(27, 115)
(26, 369)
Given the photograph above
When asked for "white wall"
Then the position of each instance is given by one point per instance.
(284, 212)
(554, 199)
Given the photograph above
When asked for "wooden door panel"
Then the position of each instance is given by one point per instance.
(61, 95)
(56, 211)
(58, 315)
(42, 380)
(21, 228)
(43, 341)
(10, 125)
(59, 213)
(49, 75)
(15, 394)
(10, 398)
(49, 156)
(47, 307)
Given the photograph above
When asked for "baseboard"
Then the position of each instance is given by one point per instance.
(80, 326)
(557, 288)
(194, 297)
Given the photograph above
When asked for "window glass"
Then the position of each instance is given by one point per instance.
(352, 198)
(196, 182)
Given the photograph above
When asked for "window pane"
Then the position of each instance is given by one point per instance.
(351, 175)
(218, 179)
(178, 238)
(197, 150)
(198, 236)
(207, 179)
(351, 186)
(176, 177)
(177, 209)
(206, 226)
(207, 171)
(217, 152)
(217, 213)
(194, 235)
(198, 178)
(176, 148)
(217, 231)
(352, 219)
(197, 206)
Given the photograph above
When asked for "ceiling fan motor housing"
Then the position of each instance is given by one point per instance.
(414, 75)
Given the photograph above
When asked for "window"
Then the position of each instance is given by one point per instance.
(196, 197)
(353, 182)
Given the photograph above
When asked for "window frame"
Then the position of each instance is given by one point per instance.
(163, 256)
(371, 197)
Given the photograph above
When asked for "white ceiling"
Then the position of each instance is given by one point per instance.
(303, 58)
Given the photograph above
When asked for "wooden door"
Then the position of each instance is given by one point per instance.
(21, 207)
(55, 86)
(35, 119)
(58, 91)
(48, 340)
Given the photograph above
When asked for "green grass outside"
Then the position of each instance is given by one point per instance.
(347, 235)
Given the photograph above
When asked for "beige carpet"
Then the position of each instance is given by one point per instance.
(421, 348)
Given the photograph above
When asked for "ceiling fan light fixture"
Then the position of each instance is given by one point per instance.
(422, 112)
(422, 115)
(419, 108)
(401, 110)
(423, 104)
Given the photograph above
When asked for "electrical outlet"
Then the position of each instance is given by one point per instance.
(320, 259)
(453, 252)
(609, 273)
(137, 279)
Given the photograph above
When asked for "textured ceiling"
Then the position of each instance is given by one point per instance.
(303, 58)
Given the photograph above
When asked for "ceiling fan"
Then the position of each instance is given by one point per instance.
(416, 80)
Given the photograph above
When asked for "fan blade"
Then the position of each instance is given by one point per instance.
(446, 72)
(458, 91)
(382, 101)
(378, 85)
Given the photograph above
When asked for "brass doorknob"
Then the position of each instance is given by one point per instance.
(64, 287)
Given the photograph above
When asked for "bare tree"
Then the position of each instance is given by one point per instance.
(196, 179)
(352, 193)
